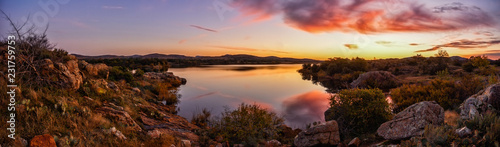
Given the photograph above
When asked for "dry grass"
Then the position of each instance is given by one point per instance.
(451, 118)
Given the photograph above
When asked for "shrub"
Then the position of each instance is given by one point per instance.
(447, 93)
(359, 111)
(248, 124)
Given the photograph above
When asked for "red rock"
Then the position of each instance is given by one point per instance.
(45, 140)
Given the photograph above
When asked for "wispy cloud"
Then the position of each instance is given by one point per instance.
(414, 44)
(203, 28)
(112, 7)
(351, 46)
(316, 16)
(463, 44)
(247, 49)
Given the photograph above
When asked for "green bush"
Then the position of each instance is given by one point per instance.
(359, 111)
(447, 93)
(248, 124)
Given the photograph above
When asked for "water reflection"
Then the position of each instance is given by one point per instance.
(305, 108)
(279, 88)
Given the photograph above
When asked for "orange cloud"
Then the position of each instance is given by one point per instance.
(351, 46)
(316, 16)
(463, 44)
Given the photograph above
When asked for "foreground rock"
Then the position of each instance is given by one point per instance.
(484, 101)
(166, 123)
(412, 121)
(322, 134)
(43, 141)
(379, 79)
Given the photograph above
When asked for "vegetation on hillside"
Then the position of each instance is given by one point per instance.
(358, 111)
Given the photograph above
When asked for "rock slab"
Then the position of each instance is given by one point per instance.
(45, 140)
(412, 121)
(323, 134)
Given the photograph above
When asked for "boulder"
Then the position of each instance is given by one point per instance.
(376, 79)
(463, 132)
(164, 123)
(323, 134)
(94, 69)
(68, 74)
(354, 142)
(45, 140)
(120, 116)
(412, 121)
(186, 143)
(484, 101)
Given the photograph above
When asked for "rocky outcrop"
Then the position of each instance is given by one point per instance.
(484, 101)
(166, 123)
(68, 74)
(168, 76)
(120, 116)
(412, 121)
(94, 69)
(323, 134)
(376, 79)
(45, 140)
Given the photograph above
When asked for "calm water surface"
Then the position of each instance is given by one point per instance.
(279, 88)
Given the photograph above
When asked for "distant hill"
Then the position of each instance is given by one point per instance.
(237, 57)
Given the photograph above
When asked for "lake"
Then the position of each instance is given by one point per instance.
(278, 88)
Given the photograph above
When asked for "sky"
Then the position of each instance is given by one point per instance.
(318, 29)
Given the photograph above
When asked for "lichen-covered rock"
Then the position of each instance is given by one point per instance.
(45, 140)
(484, 101)
(412, 121)
(323, 134)
(67, 74)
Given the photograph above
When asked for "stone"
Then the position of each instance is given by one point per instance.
(68, 74)
(412, 121)
(117, 133)
(323, 134)
(186, 143)
(238, 145)
(120, 116)
(486, 100)
(137, 90)
(45, 140)
(354, 142)
(273, 143)
(20, 142)
(93, 69)
(463, 132)
(378, 79)
(218, 145)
